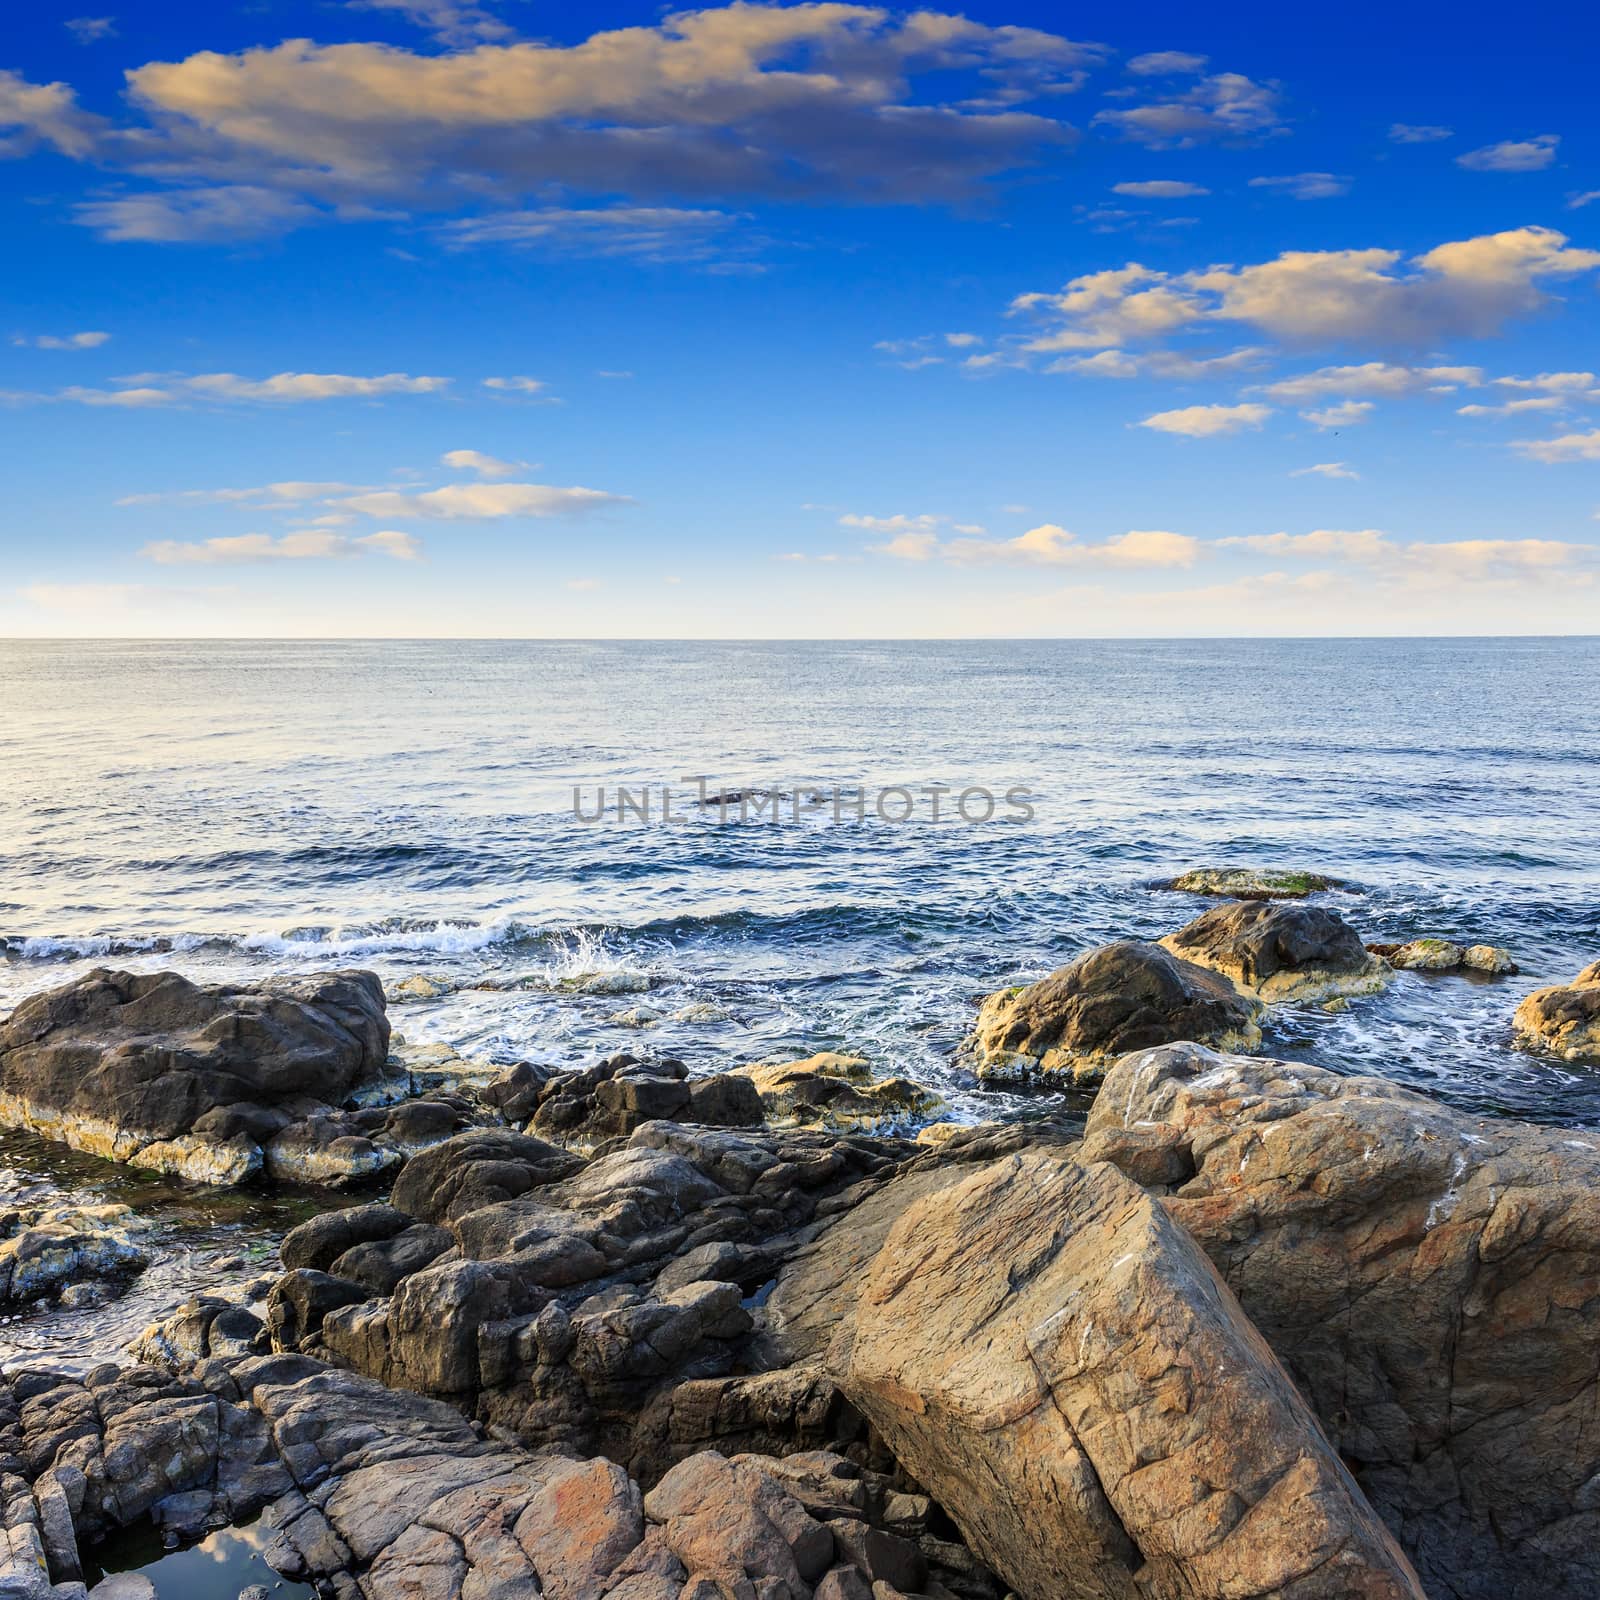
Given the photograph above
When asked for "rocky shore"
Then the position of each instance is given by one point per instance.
(1252, 1329)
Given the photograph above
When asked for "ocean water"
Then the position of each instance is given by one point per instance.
(244, 808)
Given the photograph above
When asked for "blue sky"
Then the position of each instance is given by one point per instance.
(409, 317)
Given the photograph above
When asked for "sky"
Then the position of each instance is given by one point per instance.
(427, 318)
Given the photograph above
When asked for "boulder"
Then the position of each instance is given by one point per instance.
(1249, 883)
(1563, 1020)
(477, 1169)
(1049, 1354)
(1444, 955)
(584, 1110)
(1430, 1278)
(1279, 952)
(192, 1079)
(1125, 996)
(45, 1250)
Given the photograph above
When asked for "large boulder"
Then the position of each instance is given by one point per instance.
(189, 1078)
(1430, 1278)
(1280, 952)
(1565, 1019)
(1124, 996)
(1048, 1353)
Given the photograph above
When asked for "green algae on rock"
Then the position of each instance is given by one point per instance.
(1251, 883)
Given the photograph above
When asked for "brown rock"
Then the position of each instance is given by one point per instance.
(1431, 1279)
(1124, 996)
(1279, 952)
(1050, 1355)
(1564, 1020)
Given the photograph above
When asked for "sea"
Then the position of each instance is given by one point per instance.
(829, 875)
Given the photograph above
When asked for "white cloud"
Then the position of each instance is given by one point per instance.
(1466, 288)
(484, 465)
(516, 385)
(1588, 197)
(1323, 544)
(195, 216)
(646, 233)
(63, 341)
(1159, 189)
(1424, 561)
(1418, 132)
(805, 101)
(135, 398)
(34, 114)
(898, 523)
(1162, 63)
(306, 545)
(281, 388)
(458, 25)
(1375, 378)
(288, 493)
(1344, 415)
(1050, 545)
(583, 583)
(1326, 469)
(1119, 305)
(1516, 408)
(298, 386)
(1513, 155)
(1306, 185)
(1568, 447)
(1206, 422)
(89, 30)
(459, 501)
(1554, 382)
(1225, 106)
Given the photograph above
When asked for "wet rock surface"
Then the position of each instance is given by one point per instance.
(1280, 952)
(1445, 955)
(1255, 1330)
(212, 1082)
(54, 1252)
(1251, 883)
(1564, 1019)
(1127, 996)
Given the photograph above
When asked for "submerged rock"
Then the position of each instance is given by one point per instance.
(1051, 1356)
(1431, 1280)
(1280, 952)
(1444, 955)
(1121, 997)
(1249, 883)
(837, 1091)
(1563, 1019)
